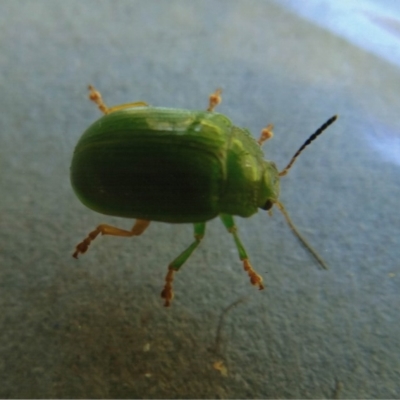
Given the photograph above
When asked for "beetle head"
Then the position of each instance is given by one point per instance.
(270, 188)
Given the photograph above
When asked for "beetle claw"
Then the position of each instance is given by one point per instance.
(83, 246)
(255, 279)
(167, 294)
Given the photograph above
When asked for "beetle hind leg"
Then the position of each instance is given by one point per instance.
(168, 294)
(137, 229)
(255, 278)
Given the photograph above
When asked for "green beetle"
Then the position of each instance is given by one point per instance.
(177, 166)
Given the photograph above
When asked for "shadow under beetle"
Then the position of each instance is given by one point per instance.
(178, 166)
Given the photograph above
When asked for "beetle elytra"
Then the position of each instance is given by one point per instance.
(176, 166)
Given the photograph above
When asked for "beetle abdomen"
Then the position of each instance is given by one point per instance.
(153, 163)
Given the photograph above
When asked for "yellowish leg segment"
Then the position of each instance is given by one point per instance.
(229, 223)
(168, 294)
(139, 227)
(96, 97)
(266, 134)
(214, 100)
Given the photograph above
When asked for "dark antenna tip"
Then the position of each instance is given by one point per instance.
(330, 121)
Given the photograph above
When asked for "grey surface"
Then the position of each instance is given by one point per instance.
(73, 328)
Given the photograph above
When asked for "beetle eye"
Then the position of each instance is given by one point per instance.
(268, 205)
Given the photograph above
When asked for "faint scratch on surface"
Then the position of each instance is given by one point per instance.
(337, 389)
(219, 366)
(146, 347)
(221, 322)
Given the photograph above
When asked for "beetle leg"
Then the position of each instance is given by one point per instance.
(214, 100)
(137, 229)
(128, 105)
(266, 134)
(168, 294)
(229, 223)
(96, 97)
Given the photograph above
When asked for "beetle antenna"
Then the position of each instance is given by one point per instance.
(300, 237)
(307, 142)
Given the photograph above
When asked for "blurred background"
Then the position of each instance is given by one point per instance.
(96, 327)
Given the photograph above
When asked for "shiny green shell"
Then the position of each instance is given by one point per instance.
(171, 165)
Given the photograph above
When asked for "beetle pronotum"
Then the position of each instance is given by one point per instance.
(177, 166)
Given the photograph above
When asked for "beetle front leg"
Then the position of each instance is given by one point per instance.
(229, 223)
(168, 294)
(137, 229)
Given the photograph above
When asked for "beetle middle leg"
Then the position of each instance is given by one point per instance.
(137, 229)
(168, 294)
(214, 99)
(266, 134)
(229, 223)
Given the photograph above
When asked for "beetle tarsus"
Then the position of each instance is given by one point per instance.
(95, 96)
(214, 100)
(83, 246)
(255, 279)
(266, 134)
(168, 294)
